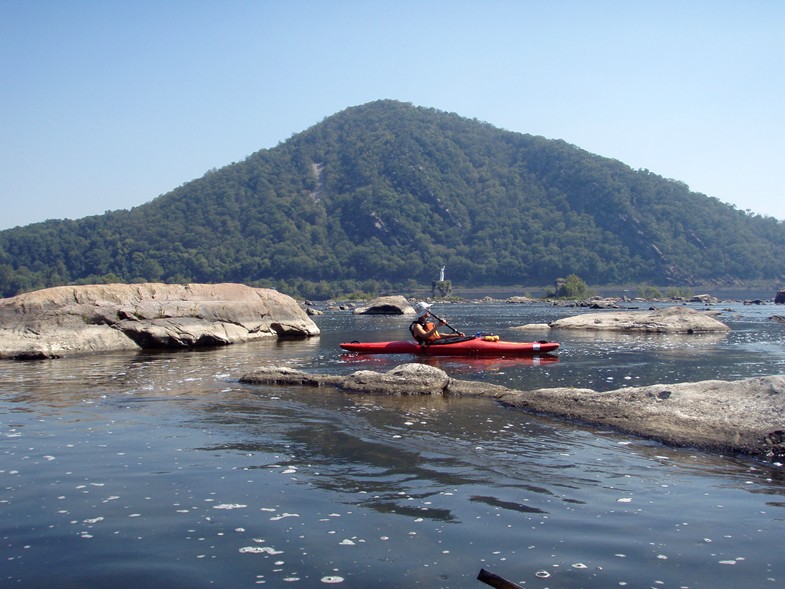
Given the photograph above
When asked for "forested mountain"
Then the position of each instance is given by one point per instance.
(380, 196)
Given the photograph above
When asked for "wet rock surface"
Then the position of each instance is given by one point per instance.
(746, 416)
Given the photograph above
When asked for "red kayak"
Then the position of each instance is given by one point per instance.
(472, 346)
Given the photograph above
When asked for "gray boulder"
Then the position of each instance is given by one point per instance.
(391, 305)
(706, 299)
(779, 298)
(668, 320)
(519, 300)
(78, 319)
(406, 379)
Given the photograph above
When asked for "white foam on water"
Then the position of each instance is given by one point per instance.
(275, 518)
(260, 550)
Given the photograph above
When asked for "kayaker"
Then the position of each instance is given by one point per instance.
(424, 330)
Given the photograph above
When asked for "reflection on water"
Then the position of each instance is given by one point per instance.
(161, 469)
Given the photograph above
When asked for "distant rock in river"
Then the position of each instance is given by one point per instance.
(390, 305)
(669, 320)
(67, 320)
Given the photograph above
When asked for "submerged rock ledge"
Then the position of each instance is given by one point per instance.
(746, 416)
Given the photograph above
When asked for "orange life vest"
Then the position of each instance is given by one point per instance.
(427, 326)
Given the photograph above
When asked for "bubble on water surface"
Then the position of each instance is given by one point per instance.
(579, 565)
(542, 574)
(332, 579)
(230, 506)
(346, 542)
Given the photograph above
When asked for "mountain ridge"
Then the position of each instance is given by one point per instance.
(380, 195)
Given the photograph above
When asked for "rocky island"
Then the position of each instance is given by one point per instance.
(66, 320)
(667, 320)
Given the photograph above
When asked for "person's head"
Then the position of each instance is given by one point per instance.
(421, 309)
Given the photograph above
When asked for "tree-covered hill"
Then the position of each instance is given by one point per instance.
(381, 195)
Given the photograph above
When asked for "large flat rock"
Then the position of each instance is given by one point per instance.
(746, 416)
(66, 320)
(741, 416)
(668, 320)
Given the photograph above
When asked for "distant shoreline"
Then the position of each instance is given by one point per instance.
(765, 292)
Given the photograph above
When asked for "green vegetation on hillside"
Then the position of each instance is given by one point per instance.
(380, 196)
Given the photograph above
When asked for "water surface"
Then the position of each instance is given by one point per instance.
(162, 470)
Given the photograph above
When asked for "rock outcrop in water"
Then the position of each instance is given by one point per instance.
(77, 319)
(668, 320)
(746, 416)
(390, 305)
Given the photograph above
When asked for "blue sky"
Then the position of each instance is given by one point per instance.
(106, 104)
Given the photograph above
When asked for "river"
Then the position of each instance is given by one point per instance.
(161, 470)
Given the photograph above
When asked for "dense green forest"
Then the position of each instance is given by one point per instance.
(380, 196)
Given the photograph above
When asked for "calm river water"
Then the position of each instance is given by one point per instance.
(160, 470)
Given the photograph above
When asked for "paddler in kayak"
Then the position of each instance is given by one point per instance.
(424, 330)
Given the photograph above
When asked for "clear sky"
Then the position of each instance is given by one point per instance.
(106, 104)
